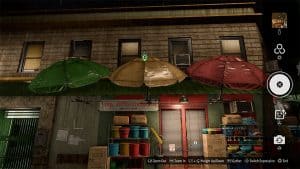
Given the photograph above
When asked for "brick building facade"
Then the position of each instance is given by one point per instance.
(204, 24)
(153, 27)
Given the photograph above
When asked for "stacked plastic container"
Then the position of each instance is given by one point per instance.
(130, 139)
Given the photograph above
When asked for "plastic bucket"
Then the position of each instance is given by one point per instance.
(227, 131)
(144, 132)
(134, 131)
(145, 149)
(214, 130)
(113, 149)
(205, 131)
(124, 149)
(113, 165)
(134, 149)
(115, 132)
(124, 132)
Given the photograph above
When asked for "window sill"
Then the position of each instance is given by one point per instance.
(16, 78)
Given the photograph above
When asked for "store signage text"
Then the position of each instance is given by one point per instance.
(128, 105)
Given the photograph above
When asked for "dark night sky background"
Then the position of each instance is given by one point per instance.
(63, 4)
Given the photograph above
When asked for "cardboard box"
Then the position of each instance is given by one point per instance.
(121, 120)
(98, 157)
(108, 163)
(215, 166)
(214, 145)
(98, 152)
(232, 119)
(99, 164)
(139, 119)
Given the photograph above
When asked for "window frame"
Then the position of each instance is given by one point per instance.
(73, 45)
(120, 48)
(170, 50)
(24, 52)
(242, 53)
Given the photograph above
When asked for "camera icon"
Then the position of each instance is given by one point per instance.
(280, 114)
(279, 140)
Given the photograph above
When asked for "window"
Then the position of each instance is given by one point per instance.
(180, 52)
(128, 50)
(31, 57)
(81, 49)
(233, 46)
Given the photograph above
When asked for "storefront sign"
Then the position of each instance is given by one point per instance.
(128, 105)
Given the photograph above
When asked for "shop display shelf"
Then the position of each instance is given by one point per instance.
(244, 136)
(135, 135)
(245, 144)
(245, 154)
(130, 157)
(129, 139)
(238, 124)
(132, 124)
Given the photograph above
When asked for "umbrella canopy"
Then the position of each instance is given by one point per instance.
(228, 71)
(72, 73)
(151, 72)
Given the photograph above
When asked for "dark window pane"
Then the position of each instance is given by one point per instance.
(81, 49)
(233, 46)
(128, 50)
(180, 52)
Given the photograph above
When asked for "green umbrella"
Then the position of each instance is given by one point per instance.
(70, 73)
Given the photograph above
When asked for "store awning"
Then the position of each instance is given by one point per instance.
(105, 88)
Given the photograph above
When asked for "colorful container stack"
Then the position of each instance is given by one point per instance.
(113, 149)
(124, 149)
(134, 131)
(134, 149)
(116, 131)
(145, 149)
(144, 132)
(130, 138)
(124, 132)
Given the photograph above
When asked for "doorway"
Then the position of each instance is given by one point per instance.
(180, 127)
(181, 131)
(17, 133)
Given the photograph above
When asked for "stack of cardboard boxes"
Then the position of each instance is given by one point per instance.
(98, 158)
(214, 145)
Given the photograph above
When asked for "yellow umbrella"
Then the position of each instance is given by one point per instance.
(151, 72)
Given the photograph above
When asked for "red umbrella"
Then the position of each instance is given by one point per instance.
(228, 71)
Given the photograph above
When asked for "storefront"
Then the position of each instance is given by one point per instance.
(178, 122)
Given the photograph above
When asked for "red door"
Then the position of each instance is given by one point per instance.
(180, 127)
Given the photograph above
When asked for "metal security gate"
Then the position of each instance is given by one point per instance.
(17, 133)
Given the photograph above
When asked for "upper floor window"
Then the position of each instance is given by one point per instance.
(31, 57)
(180, 52)
(233, 46)
(128, 50)
(81, 49)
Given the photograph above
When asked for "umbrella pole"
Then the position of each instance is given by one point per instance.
(66, 76)
(148, 97)
(221, 94)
